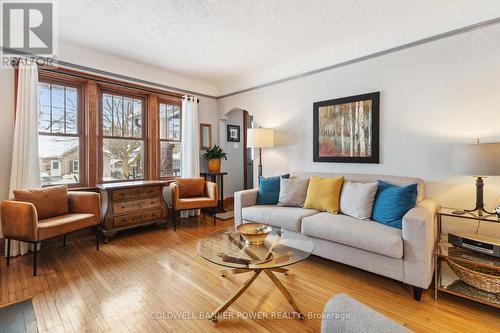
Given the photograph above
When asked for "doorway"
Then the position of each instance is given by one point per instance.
(248, 152)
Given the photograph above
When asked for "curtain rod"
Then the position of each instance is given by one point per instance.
(132, 79)
(189, 97)
(104, 80)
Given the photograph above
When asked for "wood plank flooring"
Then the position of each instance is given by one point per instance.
(141, 279)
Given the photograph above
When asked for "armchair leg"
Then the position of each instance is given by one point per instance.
(35, 253)
(97, 237)
(8, 251)
(214, 213)
(173, 219)
(64, 241)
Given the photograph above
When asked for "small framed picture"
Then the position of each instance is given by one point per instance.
(233, 133)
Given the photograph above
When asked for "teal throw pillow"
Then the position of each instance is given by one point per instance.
(393, 202)
(269, 190)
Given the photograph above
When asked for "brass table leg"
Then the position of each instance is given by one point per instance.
(285, 292)
(283, 271)
(233, 271)
(223, 307)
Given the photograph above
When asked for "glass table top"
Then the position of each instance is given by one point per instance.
(281, 248)
(460, 213)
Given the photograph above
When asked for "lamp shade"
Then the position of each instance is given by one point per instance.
(260, 138)
(481, 159)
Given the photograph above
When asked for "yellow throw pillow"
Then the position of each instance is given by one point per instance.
(324, 194)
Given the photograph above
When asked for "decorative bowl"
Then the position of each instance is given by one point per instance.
(254, 233)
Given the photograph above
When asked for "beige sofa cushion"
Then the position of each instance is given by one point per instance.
(288, 218)
(362, 234)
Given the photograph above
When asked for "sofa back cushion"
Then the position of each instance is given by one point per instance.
(191, 187)
(293, 192)
(365, 178)
(323, 194)
(393, 202)
(49, 201)
(356, 199)
(269, 190)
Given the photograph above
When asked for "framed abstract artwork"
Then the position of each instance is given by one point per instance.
(346, 130)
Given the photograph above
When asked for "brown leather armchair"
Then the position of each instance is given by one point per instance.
(193, 193)
(37, 215)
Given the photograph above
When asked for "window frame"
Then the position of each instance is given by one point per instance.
(80, 132)
(101, 136)
(168, 101)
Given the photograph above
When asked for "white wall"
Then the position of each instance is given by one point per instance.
(83, 56)
(234, 165)
(432, 96)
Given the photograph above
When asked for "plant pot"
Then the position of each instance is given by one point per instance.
(214, 166)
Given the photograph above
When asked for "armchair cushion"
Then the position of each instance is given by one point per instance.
(191, 187)
(49, 201)
(64, 224)
(195, 203)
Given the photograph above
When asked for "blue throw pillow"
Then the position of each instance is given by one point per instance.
(269, 190)
(393, 202)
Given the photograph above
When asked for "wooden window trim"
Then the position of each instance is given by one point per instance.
(91, 85)
(167, 101)
(78, 85)
(143, 138)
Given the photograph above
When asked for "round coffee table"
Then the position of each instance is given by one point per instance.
(280, 249)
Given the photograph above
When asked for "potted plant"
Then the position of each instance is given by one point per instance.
(213, 156)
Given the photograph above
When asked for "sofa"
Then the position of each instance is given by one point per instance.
(403, 254)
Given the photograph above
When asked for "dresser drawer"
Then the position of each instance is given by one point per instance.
(135, 193)
(137, 218)
(132, 206)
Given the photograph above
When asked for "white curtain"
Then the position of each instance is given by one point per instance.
(25, 171)
(190, 145)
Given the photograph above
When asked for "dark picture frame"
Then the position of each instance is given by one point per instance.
(233, 133)
(333, 123)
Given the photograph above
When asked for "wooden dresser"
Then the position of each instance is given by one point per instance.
(131, 204)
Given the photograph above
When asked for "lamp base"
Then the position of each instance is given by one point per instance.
(479, 199)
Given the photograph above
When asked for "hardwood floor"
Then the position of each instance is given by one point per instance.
(142, 277)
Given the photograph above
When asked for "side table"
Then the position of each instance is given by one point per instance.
(213, 176)
(445, 279)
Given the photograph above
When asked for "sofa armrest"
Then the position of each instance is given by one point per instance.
(85, 202)
(419, 241)
(19, 220)
(212, 191)
(243, 199)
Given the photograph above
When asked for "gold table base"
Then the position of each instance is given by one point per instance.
(269, 272)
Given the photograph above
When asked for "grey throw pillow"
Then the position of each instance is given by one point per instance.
(356, 199)
(293, 192)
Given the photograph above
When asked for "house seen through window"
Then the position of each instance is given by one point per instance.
(59, 133)
(170, 140)
(123, 137)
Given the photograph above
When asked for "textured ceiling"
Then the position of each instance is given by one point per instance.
(237, 44)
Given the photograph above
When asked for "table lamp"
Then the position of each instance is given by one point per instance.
(478, 160)
(260, 138)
